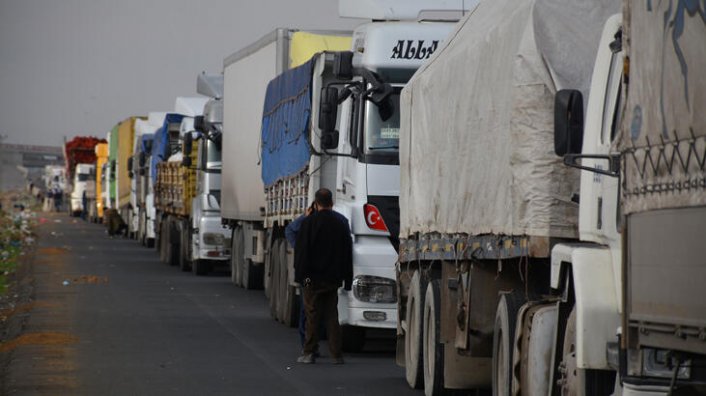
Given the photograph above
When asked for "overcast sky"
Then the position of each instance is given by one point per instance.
(77, 67)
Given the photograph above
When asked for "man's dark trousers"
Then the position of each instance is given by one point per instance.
(321, 301)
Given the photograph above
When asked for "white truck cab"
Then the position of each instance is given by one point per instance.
(84, 181)
(367, 181)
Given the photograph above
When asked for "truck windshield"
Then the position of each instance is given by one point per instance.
(382, 137)
(82, 176)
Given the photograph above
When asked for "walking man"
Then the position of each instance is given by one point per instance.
(322, 262)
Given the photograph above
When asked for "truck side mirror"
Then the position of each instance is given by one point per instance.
(188, 144)
(343, 65)
(198, 123)
(328, 113)
(130, 174)
(186, 151)
(568, 122)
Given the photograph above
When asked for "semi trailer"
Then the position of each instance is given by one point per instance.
(488, 297)
(192, 239)
(258, 251)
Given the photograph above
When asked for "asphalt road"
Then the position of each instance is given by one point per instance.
(108, 318)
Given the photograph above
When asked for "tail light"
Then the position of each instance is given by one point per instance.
(373, 218)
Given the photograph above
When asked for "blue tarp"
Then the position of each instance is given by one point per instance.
(160, 144)
(146, 140)
(285, 124)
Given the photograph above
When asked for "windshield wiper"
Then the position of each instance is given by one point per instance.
(383, 147)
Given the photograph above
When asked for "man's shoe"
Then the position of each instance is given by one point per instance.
(306, 359)
(338, 360)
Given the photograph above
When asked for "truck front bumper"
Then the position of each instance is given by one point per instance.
(374, 260)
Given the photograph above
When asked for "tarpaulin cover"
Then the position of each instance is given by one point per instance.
(304, 45)
(285, 124)
(80, 150)
(126, 144)
(476, 136)
(663, 133)
(145, 141)
(160, 144)
(112, 156)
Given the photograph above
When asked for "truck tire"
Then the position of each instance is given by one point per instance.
(162, 243)
(290, 314)
(579, 382)
(287, 302)
(200, 267)
(142, 229)
(433, 348)
(173, 252)
(172, 243)
(413, 336)
(353, 338)
(267, 274)
(185, 255)
(130, 233)
(236, 268)
(283, 282)
(503, 338)
(253, 281)
(274, 285)
(251, 274)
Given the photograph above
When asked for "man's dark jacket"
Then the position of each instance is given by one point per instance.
(324, 249)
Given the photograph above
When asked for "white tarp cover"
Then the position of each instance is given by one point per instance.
(476, 138)
(663, 134)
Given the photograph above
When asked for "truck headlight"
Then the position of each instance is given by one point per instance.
(374, 289)
(212, 238)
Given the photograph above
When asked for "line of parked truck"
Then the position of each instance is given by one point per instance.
(525, 183)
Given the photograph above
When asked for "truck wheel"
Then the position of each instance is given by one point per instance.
(162, 243)
(503, 337)
(173, 253)
(267, 275)
(274, 285)
(251, 274)
(413, 336)
(185, 255)
(579, 382)
(142, 229)
(433, 348)
(287, 304)
(254, 278)
(353, 338)
(283, 281)
(290, 313)
(172, 245)
(236, 257)
(200, 267)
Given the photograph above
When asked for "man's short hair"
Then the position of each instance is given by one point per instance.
(323, 198)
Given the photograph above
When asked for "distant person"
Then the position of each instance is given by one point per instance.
(84, 205)
(58, 198)
(116, 224)
(323, 260)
